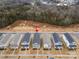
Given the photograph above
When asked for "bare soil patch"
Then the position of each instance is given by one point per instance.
(30, 26)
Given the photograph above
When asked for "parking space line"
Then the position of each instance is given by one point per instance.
(13, 52)
(2, 52)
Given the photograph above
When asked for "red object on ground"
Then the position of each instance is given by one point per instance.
(37, 28)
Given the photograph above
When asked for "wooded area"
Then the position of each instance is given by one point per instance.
(58, 15)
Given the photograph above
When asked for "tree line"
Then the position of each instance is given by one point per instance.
(58, 15)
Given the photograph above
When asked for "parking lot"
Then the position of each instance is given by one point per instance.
(41, 53)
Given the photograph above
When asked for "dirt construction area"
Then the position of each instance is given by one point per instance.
(30, 26)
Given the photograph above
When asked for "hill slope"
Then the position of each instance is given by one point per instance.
(13, 10)
(29, 26)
